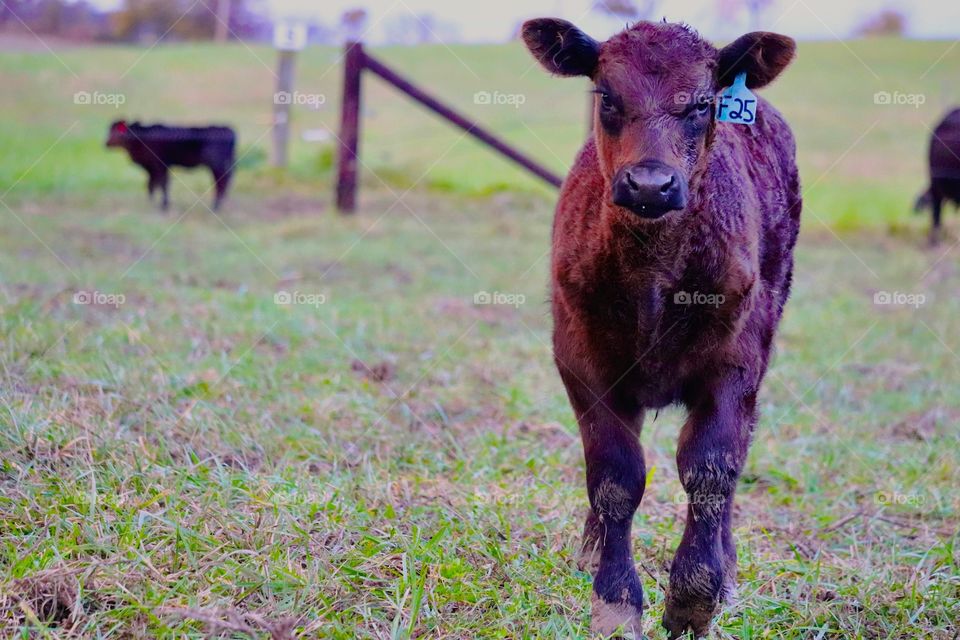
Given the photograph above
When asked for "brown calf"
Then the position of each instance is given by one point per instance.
(672, 260)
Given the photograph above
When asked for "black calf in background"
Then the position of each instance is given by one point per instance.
(158, 147)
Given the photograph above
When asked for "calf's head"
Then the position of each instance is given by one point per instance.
(655, 85)
(118, 134)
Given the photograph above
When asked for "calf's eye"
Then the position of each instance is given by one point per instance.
(698, 110)
(606, 102)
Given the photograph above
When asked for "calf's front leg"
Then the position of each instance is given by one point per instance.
(615, 483)
(162, 179)
(710, 455)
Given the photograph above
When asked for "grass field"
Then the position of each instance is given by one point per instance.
(385, 459)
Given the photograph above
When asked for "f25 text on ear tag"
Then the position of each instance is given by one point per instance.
(736, 103)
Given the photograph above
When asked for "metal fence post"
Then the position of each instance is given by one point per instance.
(281, 107)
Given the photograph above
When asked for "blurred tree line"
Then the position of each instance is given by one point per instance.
(886, 22)
(139, 20)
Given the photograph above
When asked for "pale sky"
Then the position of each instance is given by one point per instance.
(496, 20)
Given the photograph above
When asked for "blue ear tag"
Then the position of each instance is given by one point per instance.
(736, 104)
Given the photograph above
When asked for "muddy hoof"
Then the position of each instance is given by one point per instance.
(678, 618)
(615, 619)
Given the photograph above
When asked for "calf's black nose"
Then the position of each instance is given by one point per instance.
(649, 189)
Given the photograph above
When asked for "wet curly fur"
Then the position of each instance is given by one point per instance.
(628, 335)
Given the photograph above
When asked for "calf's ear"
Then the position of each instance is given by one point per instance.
(560, 47)
(761, 55)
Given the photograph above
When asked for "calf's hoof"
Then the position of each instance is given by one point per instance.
(616, 604)
(678, 617)
(615, 619)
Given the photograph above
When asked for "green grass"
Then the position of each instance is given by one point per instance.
(200, 459)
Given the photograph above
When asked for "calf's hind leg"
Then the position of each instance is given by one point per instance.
(151, 186)
(936, 209)
(221, 179)
(162, 179)
(615, 483)
(710, 455)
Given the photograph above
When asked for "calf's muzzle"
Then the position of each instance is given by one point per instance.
(649, 189)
